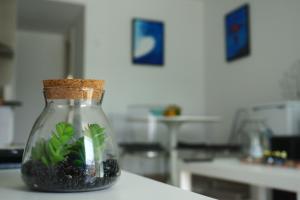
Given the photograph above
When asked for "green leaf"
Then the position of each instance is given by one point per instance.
(45, 160)
(97, 134)
(59, 147)
(56, 148)
(64, 131)
(77, 152)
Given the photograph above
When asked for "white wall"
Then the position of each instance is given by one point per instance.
(107, 51)
(108, 46)
(39, 56)
(275, 47)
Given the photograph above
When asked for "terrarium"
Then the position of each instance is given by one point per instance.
(71, 145)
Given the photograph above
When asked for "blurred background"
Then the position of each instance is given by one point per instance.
(227, 77)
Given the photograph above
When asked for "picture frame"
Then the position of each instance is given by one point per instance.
(147, 38)
(237, 33)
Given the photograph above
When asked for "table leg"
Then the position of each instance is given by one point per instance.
(260, 193)
(173, 167)
(173, 162)
(185, 180)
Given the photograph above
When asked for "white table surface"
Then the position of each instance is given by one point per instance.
(129, 187)
(253, 174)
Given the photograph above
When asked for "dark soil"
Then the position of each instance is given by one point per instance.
(65, 177)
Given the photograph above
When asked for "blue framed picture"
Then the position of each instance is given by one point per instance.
(237, 33)
(147, 42)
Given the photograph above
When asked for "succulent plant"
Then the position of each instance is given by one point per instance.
(62, 145)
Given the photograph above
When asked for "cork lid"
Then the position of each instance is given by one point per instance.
(74, 83)
(73, 88)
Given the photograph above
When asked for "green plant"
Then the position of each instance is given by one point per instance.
(77, 149)
(56, 148)
(77, 152)
(60, 145)
(96, 133)
(38, 152)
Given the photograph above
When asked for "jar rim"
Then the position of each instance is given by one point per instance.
(74, 83)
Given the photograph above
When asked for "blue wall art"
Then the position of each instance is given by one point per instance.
(147, 42)
(237, 33)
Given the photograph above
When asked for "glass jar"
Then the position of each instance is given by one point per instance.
(71, 146)
(256, 138)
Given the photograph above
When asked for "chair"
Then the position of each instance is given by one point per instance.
(142, 138)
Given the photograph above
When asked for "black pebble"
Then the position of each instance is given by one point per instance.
(65, 177)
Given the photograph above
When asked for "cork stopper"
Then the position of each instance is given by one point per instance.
(73, 89)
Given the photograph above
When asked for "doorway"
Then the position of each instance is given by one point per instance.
(49, 46)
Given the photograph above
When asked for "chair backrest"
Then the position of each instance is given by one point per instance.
(143, 130)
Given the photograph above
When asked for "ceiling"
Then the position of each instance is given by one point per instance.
(47, 16)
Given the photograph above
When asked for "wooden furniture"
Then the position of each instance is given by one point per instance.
(129, 187)
(260, 177)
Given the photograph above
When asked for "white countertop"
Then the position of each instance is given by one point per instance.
(129, 187)
(254, 174)
(181, 118)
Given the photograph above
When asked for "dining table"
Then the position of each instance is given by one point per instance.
(173, 124)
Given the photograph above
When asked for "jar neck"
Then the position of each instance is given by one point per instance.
(73, 102)
(85, 100)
